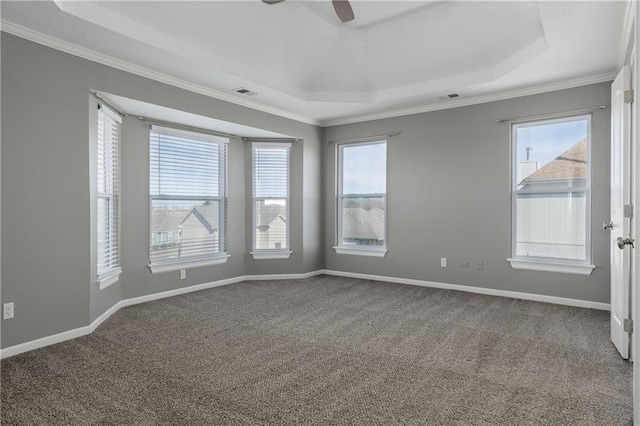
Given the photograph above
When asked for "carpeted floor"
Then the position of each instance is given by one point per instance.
(328, 350)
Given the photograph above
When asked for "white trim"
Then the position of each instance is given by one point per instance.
(270, 254)
(158, 268)
(360, 251)
(272, 277)
(82, 331)
(479, 290)
(551, 266)
(55, 43)
(627, 27)
(111, 277)
(536, 90)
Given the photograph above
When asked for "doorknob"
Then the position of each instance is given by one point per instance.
(626, 241)
(608, 226)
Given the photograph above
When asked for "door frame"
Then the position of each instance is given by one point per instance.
(628, 56)
(629, 43)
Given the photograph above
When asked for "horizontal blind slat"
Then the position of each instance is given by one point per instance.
(188, 190)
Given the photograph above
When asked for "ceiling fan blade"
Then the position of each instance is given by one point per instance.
(343, 10)
(272, 1)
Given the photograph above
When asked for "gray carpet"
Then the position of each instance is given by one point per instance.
(328, 350)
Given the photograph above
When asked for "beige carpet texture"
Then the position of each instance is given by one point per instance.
(327, 350)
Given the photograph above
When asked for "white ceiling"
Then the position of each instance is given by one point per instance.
(396, 57)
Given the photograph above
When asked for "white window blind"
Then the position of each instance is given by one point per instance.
(108, 193)
(362, 187)
(271, 182)
(188, 196)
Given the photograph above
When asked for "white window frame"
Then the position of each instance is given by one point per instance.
(275, 253)
(187, 262)
(110, 274)
(550, 264)
(374, 251)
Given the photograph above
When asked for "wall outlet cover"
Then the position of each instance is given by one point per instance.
(443, 262)
(7, 310)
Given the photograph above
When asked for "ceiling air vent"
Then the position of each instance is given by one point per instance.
(244, 91)
(449, 96)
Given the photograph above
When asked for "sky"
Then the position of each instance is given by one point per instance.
(364, 169)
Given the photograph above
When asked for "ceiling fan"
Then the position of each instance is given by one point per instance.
(342, 7)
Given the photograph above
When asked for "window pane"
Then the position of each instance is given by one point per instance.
(364, 169)
(271, 171)
(103, 234)
(271, 224)
(551, 189)
(552, 225)
(552, 151)
(181, 166)
(184, 228)
(363, 221)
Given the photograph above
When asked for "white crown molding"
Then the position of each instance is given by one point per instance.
(584, 81)
(91, 55)
(627, 28)
(55, 43)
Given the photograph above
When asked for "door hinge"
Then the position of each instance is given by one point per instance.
(628, 96)
(628, 210)
(628, 326)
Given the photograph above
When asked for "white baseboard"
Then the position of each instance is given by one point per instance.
(480, 290)
(82, 331)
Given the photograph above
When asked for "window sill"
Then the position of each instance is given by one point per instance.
(552, 266)
(270, 254)
(378, 252)
(109, 278)
(176, 265)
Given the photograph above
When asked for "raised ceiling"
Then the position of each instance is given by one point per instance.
(396, 57)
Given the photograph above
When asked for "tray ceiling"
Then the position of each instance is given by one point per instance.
(298, 58)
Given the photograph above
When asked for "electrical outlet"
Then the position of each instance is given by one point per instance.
(480, 265)
(443, 262)
(183, 274)
(7, 310)
(464, 263)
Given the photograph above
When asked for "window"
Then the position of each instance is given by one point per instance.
(108, 196)
(271, 164)
(188, 199)
(551, 193)
(362, 186)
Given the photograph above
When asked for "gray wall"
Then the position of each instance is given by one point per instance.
(448, 196)
(448, 193)
(46, 263)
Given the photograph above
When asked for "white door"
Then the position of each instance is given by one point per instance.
(620, 196)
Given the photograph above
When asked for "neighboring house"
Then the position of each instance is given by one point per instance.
(271, 228)
(201, 230)
(544, 228)
(165, 235)
(179, 232)
(362, 226)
